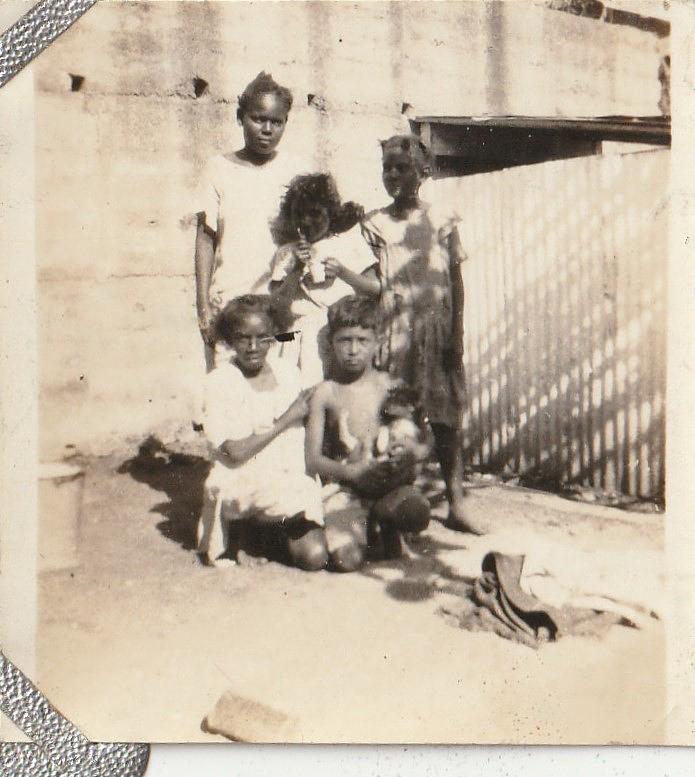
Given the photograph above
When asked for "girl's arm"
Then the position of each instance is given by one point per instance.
(204, 262)
(284, 292)
(363, 283)
(240, 451)
(456, 257)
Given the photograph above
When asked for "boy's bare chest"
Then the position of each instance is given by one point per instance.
(360, 406)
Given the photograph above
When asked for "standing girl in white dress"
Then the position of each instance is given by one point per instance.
(238, 198)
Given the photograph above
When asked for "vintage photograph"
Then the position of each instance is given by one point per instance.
(351, 354)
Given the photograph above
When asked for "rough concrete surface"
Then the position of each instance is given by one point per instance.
(140, 641)
(118, 160)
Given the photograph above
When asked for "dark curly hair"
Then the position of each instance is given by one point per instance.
(235, 310)
(313, 189)
(263, 83)
(401, 401)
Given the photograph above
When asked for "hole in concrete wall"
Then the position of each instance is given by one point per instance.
(200, 86)
(665, 81)
(318, 102)
(76, 82)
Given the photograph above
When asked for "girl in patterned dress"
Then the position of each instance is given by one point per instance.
(420, 254)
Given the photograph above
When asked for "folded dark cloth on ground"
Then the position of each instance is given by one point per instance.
(499, 604)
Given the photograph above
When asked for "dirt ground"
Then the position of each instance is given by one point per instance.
(138, 643)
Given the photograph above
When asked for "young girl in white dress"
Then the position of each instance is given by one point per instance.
(254, 423)
(323, 257)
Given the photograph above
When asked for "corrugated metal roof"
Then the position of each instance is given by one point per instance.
(639, 129)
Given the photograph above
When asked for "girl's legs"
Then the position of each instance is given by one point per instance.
(212, 532)
(449, 451)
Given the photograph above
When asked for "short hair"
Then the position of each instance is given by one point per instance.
(263, 83)
(314, 189)
(354, 310)
(402, 401)
(235, 310)
(411, 145)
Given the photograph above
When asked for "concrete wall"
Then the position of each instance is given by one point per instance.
(118, 160)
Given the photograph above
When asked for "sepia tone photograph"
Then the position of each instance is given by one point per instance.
(351, 336)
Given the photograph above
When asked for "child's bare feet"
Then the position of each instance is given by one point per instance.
(458, 520)
(244, 559)
(216, 563)
(223, 563)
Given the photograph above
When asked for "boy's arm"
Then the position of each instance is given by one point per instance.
(204, 261)
(456, 257)
(316, 462)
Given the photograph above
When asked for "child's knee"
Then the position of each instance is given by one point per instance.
(348, 558)
(309, 553)
(405, 509)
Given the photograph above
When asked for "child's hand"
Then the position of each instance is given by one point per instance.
(299, 409)
(334, 268)
(377, 478)
(368, 475)
(302, 251)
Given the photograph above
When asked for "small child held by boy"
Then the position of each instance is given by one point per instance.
(254, 422)
(322, 257)
(400, 431)
(362, 492)
(420, 256)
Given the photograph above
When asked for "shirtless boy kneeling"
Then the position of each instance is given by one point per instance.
(359, 494)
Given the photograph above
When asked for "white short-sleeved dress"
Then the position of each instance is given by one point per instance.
(240, 201)
(274, 481)
(310, 310)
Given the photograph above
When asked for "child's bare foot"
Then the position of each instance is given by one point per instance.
(458, 520)
(215, 563)
(223, 563)
(244, 559)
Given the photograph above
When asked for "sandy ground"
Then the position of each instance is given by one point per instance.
(138, 643)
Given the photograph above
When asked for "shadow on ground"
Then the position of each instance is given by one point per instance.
(178, 475)
(422, 572)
